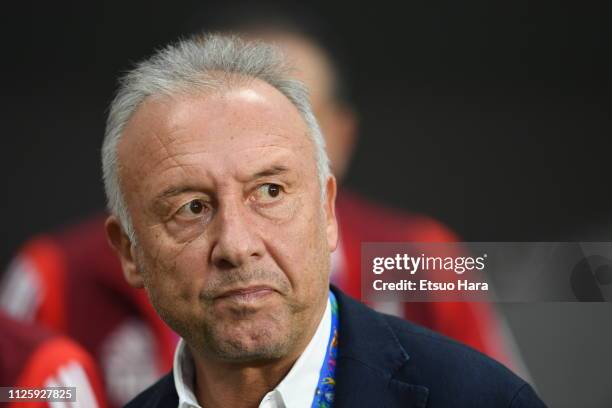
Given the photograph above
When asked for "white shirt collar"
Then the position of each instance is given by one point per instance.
(296, 390)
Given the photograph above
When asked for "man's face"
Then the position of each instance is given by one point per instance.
(233, 240)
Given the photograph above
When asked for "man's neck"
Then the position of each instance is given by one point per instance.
(223, 384)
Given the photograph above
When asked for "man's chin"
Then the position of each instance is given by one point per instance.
(252, 336)
(251, 347)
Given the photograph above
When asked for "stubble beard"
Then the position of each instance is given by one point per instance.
(261, 338)
(267, 334)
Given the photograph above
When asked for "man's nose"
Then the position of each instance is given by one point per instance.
(236, 239)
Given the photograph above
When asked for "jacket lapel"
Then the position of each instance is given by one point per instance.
(369, 358)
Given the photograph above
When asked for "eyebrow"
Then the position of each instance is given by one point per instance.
(273, 171)
(174, 191)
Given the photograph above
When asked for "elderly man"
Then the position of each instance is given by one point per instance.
(222, 208)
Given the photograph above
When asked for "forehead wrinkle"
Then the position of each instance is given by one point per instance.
(274, 157)
(176, 157)
(174, 147)
(142, 140)
(183, 110)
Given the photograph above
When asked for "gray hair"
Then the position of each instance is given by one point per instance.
(201, 63)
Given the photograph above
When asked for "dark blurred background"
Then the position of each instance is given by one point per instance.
(493, 117)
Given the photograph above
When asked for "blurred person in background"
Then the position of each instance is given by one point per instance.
(34, 357)
(72, 282)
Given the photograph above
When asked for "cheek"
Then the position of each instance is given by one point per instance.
(301, 250)
(174, 271)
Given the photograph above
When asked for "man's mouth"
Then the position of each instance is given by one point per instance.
(246, 294)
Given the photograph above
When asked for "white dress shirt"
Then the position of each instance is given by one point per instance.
(296, 390)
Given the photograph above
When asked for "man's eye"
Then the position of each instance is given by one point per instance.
(193, 209)
(268, 192)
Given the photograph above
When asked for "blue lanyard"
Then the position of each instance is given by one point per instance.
(324, 395)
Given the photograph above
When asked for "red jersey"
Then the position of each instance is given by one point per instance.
(34, 357)
(72, 281)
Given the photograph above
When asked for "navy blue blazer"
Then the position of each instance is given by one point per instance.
(384, 361)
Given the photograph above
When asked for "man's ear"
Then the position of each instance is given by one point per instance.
(124, 248)
(330, 213)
